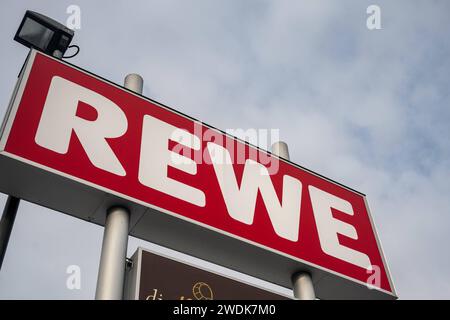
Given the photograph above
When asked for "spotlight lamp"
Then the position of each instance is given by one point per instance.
(44, 34)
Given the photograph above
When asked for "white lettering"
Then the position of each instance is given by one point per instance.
(328, 227)
(241, 201)
(156, 157)
(59, 119)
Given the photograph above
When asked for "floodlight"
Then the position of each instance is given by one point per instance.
(44, 34)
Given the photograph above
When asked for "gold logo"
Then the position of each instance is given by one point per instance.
(202, 291)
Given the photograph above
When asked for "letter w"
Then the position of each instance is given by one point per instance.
(241, 201)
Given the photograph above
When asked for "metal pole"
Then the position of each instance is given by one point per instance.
(6, 224)
(12, 203)
(281, 150)
(134, 82)
(302, 281)
(303, 286)
(111, 272)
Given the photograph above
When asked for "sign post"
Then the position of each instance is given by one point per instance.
(302, 281)
(303, 286)
(6, 224)
(12, 203)
(111, 272)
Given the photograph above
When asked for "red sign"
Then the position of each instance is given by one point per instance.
(71, 123)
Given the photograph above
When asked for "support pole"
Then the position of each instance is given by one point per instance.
(303, 286)
(281, 150)
(134, 82)
(111, 272)
(302, 281)
(6, 224)
(12, 203)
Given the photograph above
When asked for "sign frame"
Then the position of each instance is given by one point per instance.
(133, 274)
(89, 201)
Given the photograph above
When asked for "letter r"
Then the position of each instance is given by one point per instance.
(59, 119)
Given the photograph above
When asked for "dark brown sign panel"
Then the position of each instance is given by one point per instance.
(155, 277)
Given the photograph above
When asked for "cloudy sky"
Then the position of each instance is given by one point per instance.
(368, 108)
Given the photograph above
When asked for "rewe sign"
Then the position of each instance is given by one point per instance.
(77, 143)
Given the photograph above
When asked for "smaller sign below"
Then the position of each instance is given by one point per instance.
(156, 277)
